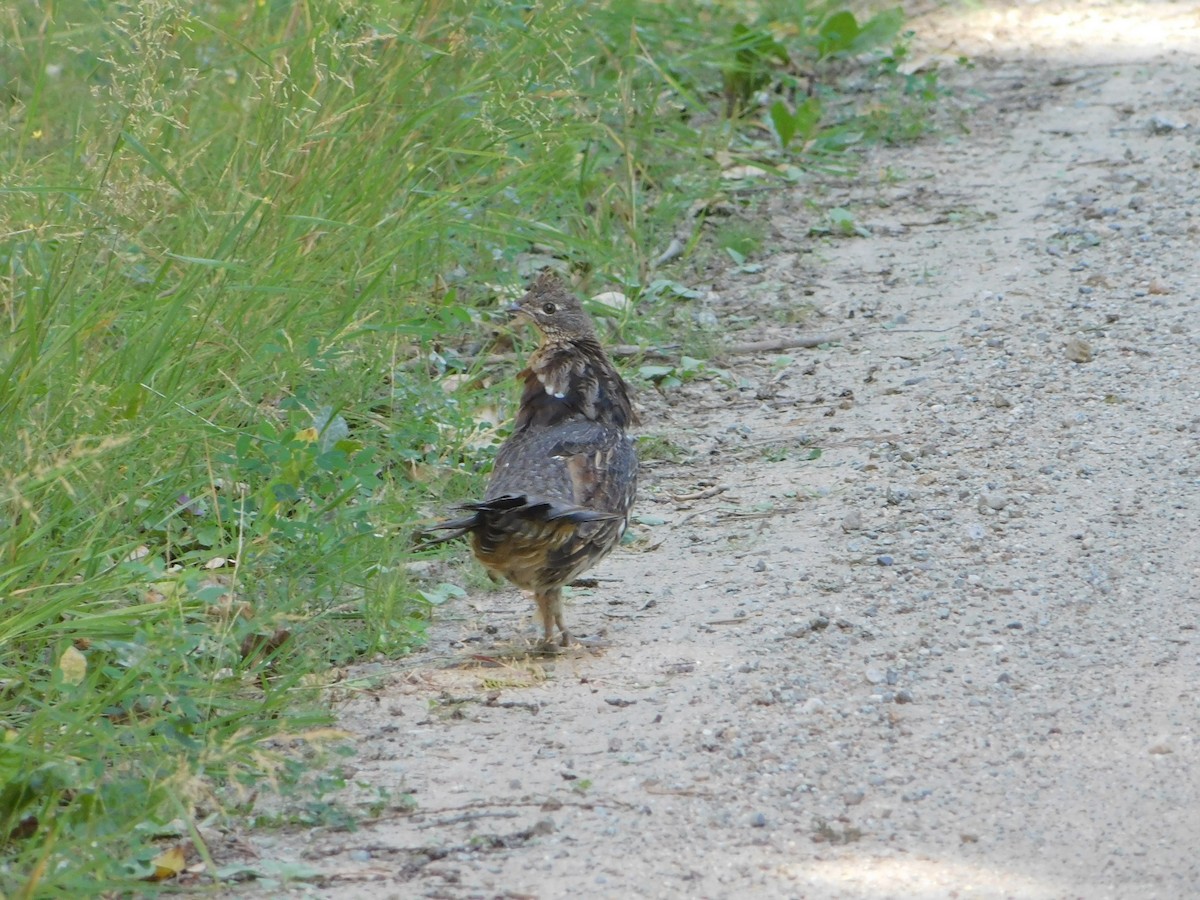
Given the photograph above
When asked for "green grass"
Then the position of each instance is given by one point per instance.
(241, 245)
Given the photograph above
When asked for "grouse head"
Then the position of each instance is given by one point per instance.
(556, 312)
(569, 376)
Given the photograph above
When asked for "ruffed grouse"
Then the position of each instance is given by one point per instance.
(564, 481)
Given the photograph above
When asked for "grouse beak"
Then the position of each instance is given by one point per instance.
(515, 311)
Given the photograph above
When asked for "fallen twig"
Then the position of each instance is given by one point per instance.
(699, 495)
(737, 621)
(514, 704)
(802, 342)
(471, 817)
(548, 805)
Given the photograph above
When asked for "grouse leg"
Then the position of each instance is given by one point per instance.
(550, 607)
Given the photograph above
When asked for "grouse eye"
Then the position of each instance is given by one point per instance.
(549, 308)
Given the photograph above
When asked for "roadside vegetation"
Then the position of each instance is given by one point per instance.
(252, 257)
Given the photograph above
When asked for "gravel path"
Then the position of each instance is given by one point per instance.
(954, 654)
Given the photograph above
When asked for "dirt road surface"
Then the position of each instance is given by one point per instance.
(955, 653)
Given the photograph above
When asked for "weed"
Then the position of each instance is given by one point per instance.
(781, 452)
(743, 238)
(658, 446)
(840, 222)
(670, 376)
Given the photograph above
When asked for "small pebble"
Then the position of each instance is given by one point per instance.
(758, 820)
(1160, 124)
(1079, 350)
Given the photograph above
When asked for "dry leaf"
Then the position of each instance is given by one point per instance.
(262, 644)
(308, 435)
(424, 473)
(168, 864)
(506, 292)
(323, 735)
(240, 487)
(73, 666)
(1079, 350)
(167, 589)
(24, 829)
(739, 173)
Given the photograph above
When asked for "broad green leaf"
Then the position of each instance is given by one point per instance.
(837, 34)
(653, 373)
(807, 117)
(784, 122)
(878, 30)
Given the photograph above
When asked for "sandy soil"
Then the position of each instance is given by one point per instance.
(955, 654)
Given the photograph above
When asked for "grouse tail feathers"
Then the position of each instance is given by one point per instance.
(506, 513)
